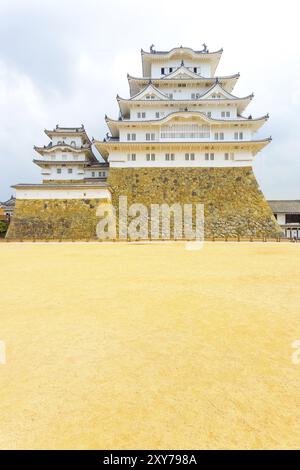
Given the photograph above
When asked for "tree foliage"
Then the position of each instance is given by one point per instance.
(3, 228)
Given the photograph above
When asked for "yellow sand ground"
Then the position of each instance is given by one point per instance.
(149, 346)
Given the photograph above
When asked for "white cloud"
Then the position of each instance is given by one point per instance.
(64, 61)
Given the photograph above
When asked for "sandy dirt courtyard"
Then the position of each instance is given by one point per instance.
(149, 346)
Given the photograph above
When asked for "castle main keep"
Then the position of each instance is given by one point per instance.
(181, 137)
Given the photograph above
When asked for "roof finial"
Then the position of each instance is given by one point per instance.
(182, 63)
(152, 49)
(204, 47)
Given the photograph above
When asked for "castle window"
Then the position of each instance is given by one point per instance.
(70, 170)
(167, 156)
(139, 115)
(143, 115)
(152, 156)
(209, 156)
(219, 135)
(195, 69)
(292, 218)
(226, 156)
(225, 114)
(150, 136)
(93, 174)
(148, 157)
(59, 142)
(185, 131)
(58, 171)
(157, 115)
(209, 114)
(170, 69)
(238, 136)
(162, 70)
(190, 156)
(73, 143)
(131, 156)
(131, 136)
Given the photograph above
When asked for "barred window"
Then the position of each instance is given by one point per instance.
(185, 131)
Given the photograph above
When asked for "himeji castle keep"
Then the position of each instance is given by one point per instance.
(181, 136)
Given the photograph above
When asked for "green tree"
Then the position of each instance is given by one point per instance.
(3, 228)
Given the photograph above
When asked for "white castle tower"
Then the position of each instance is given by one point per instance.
(180, 114)
(69, 157)
(181, 137)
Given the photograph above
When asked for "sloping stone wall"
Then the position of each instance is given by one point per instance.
(54, 219)
(233, 203)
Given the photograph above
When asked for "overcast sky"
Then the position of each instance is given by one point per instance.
(64, 61)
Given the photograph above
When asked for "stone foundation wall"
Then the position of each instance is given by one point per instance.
(233, 203)
(55, 219)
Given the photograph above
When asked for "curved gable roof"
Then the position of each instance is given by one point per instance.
(186, 50)
(149, 89)
(180, 52)
(217, 88)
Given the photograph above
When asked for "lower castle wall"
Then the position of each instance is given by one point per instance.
(234, 205)
(55, 219)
